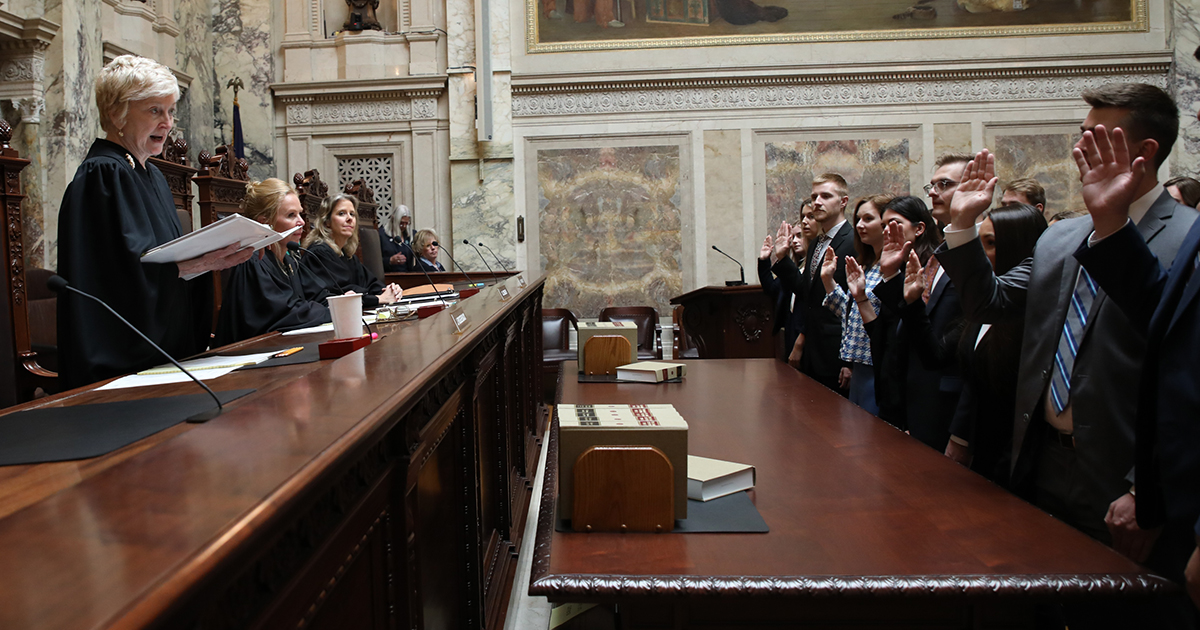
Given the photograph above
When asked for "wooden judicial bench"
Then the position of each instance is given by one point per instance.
(385, 489)
(868, 527)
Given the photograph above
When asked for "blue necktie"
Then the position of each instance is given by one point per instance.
(1072, 336)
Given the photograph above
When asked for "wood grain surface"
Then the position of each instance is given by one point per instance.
(856, 509)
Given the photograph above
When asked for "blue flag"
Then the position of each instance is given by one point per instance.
(239, 145)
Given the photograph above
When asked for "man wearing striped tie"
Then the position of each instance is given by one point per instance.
(1081, 358)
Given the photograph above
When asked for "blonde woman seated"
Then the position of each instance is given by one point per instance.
(266, 293)
(333, 242)
(425, 251)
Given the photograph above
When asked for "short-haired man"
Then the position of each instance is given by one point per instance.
(947, 172)
(823, 330)
(1073, 437)
(1027, 191)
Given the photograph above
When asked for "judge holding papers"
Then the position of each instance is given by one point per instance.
(118, 207)
(332, 243)
(266, 293)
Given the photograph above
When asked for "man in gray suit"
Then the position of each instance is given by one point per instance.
(1076, 402)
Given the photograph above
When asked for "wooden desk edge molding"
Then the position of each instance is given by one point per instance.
(387, 488)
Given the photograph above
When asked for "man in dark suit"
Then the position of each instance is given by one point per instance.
(1073, 433)
(1165, 307)
(823, 329)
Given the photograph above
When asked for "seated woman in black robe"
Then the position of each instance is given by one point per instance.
(266, 293)
(334, 269)
(395, 243)
(116, 208)
(425, 251)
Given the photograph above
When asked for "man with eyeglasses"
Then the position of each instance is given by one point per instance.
(1081, 358)
(948, 170)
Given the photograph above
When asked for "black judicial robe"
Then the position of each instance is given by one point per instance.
(111, 213)
(390, 247)
(259, 296)
(337, 274)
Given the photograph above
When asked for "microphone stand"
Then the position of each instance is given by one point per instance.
(496, 257)
(58, 284)
(464, 273)
(733, 283)
(485, 262)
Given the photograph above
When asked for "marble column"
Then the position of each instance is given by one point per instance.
(194, 56)
(1185, 86)
(71, 120)
(241, 47)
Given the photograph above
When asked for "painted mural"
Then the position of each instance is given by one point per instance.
(561, 25)
(870, 166)
(610, 230)
(1046, 158)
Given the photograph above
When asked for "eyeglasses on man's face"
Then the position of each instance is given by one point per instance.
(940, 186)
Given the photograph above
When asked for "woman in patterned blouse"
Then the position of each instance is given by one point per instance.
(856, 345)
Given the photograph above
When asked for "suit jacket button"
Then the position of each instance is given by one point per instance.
(1025, 417)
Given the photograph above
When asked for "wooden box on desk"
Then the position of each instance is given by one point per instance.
(587, 330)
(616, 425)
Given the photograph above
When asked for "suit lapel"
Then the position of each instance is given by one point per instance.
(936, 294)
(1185, 259)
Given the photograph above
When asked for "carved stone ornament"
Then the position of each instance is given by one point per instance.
(353, 112)
(299, 114)
(796, 93)
(424, 108)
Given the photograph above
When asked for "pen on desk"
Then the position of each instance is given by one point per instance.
(287, 353)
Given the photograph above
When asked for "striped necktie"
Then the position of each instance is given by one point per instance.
(1072, 336)
(814, 270)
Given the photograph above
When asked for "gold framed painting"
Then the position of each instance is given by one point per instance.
(581, 25)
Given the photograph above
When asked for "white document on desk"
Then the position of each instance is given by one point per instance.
(234, 228)
(368, 318)
(205, 369)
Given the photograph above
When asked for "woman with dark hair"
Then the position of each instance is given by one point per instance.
(856, 347)
(921, 324)
(333, 242)
(981, 434)
(1185, 190)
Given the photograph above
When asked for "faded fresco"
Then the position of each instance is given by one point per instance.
(870, 166)
(610, 228)
(1046, 158)
(558, 25)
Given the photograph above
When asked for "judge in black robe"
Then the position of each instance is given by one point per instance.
(266, 294)
(116, 208)
(331, 266)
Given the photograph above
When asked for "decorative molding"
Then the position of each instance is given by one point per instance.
(22, 69)
(751, 320)
(919, 88)
(848, 586)
(30, 108)
(424, 108)
(355, 112)
(300, 114)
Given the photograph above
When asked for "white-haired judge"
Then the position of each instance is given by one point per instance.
(395, 243)
(118, 207)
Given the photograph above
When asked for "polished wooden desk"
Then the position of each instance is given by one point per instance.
(867, 524)
(384, 489)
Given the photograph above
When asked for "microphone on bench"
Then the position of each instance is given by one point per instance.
(485, 262)
(58, 284)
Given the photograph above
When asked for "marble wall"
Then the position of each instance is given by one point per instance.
(870, 166)
(72, 121)
(242, 47)
(1185, 86)
(610, 227)
(1044, 157)
(194, 57)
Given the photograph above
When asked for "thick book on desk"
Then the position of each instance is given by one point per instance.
(710, 479)
(581, 427)
(651, 371)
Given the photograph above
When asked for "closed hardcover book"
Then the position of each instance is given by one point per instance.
(651, 371)
(710, 479)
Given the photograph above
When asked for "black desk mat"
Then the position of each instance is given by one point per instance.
(310, 354)
(731, 514)
(55, 434)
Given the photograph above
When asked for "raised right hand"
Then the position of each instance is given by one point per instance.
(914, 278)
(974, 193)
(782, 237)
(855, 280)
(894, 252)
(767, 248)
